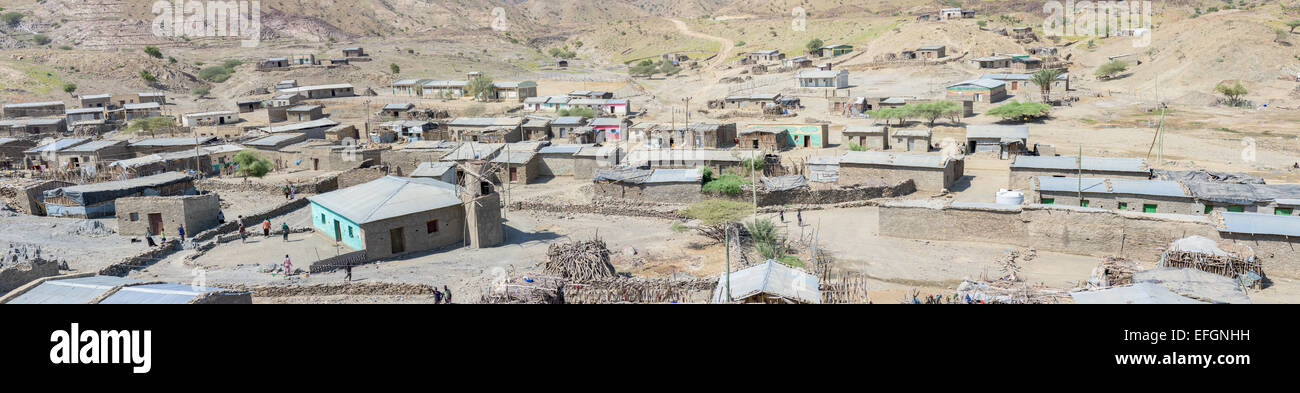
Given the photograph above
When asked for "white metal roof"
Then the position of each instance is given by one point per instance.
(388, 197)
(1109, 164)
(772, 278)
(894, 159)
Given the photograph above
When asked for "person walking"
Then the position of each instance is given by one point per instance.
(288, 266)
(292, 192)
(148, 236)
(284, 227)
(446, 294)
(782, 214)
(799, 215)
(347, 269)
(286, 191)
(162, 234)
(266, 228)
(180, 230)
(437, 295)
(243, 233)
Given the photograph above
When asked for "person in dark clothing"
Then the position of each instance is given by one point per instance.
(782, 213)
(799, 215)
(437, 296)
(180, 230)
(347, 269)
(148, 235)
(284, 227)
(446, 293)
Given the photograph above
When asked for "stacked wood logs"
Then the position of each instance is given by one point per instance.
(1223, 265)
(579, 261)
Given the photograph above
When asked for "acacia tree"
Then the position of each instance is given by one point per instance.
(1110, 69)
(931, 111)
(480, 87)
(1044, 79)
(1234, 92)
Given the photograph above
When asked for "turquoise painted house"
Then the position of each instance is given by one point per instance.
(336, 227)
(391, 215)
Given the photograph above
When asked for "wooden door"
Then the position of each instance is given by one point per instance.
(397, 239)
(155, 223)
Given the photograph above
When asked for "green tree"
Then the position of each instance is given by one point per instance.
(394, 68)
(931, 111)
(715, 215)
(251, 164)
(668, 68)
(814, 44)
(726, 184)
(1294, 23)
(578, 111)
(231, 64)
(69, 87)
(149, 124)
(1111, 69)
(1020, 111)
(643, 68)
(1234, 92)
(481, 87)
(215, 74)
(1044, 78)
(148, 77)
(853, 146)
(153, 51)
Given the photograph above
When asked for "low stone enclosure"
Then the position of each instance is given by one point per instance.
(809, 196)
(1075, 230)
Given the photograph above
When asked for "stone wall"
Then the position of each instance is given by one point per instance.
(1074, 230)
(357, 176)
(14, 275)
(232, 223)
(807, 196)
(319, 185)
(649, 192)
(31, 198)
(925, 179)
(556, 164)
(142, 260)
(606, 207)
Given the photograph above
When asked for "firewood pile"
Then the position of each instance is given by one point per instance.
(1224, 265)
(579, 261)
(640, 290)
(525, 289)
(1112, 271)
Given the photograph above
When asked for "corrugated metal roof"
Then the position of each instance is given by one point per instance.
(675, 176)
(446, 83)
(486, 121)
(33, 104)
(1260, 224)
(92, 146)
(178, 141)
(95, 96)
(871, 130)
(322, 122)
(408, 82)
(819, 73)
(569, 121)
(1147, 187)
(57, 145)
(558, 100)
(515, 157)
(894, 159)
(318, 87)
(913, 133)
(993, 131)
(388, 197)
(147, 105)
(274, 140)
(606, 121)
(563, 148)
(210, 113)
(1109, 164)
(643, 157)
(772, 278)
(70, 291)
(157, 294)
(1094, 185)
(985, 83)
(473, 150)
(433, 169)
(399, 106)
(303, 108)
(77, 111)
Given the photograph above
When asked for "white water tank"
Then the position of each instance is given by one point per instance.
(1010, 197)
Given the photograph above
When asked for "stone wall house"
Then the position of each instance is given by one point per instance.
(168, 145)
(96, 154)
(765, 138)
(97, 200)
(978, 90)
(658, 185)
(34, 109)
(838, 79)
(391, 216)
(1145, 196)
(323, 91)
(1025, 168)
(558, 160)
(47, 154)
(870, 137)
(536, 128)
(517, 166)
(212, 118)
(914, 139)
(1002, 141)
(592, 158)
(163, 214)
(314, 129)
(929, 172)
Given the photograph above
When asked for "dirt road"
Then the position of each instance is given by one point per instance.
(727, 45)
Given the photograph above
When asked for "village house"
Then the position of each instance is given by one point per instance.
(286, 84)
(993, 62)
(692, 136)
(931, 52)
(591, 94)
(589, 159)
(556, 103)
(273, 143)
(1273, 199)
(835, 50)
(285, 100)
(47, 155)
(101, 101)
(1022, 32)
(978, 90)
(765, 138)
(97, 200)
(756, 101)
(142, 215)
(558, 159)
(445, 88)
(610, 128)
(617, 107)
(1016, 82)
(913, 139)
(11, 152)
(85, 116)
(354, 52)
(322, 91)
(303, 59)
(247, 106)
(167, 145)
(534, 104)
(34, 109)
(94, 154)
(838, 79)
(27, 128)
(536, 128)
(1146, 196)
(391, 216)
(411, 130)
(518, 165)
(809, 135)
(1025, 63)
(514, 91)
(950, 13)
(138, 111)
(563, 126)
(396, 111)
(765, 55)
(1025, 168)
(303, 113)
(409, 87)
(215, 118)
(314, 129)
(273, 63)
(1003, 141)
(928, 171)
(208, 160)
(657, 185)
(798, 62)
(870, 137)
(486, 129)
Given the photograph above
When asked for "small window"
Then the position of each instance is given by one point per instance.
(136, 216)
(349, 231)
(1237, 208)
(1148, 208)
(431, 226)
(322, 218)
(1083, 203)
(1282, 211)
(1049, 201)
(1123, 205)
(1208, 209)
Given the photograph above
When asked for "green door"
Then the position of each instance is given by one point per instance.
(1148, 208)
(1237, 208)
(1282, 211)
(1049, 201)
(1083, 203)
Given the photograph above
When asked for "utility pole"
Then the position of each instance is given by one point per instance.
(727, 239)
(753, 179)
(1078, 162)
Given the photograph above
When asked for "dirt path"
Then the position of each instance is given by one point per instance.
(727, 45)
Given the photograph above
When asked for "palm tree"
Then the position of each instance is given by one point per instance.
(1044, 79)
